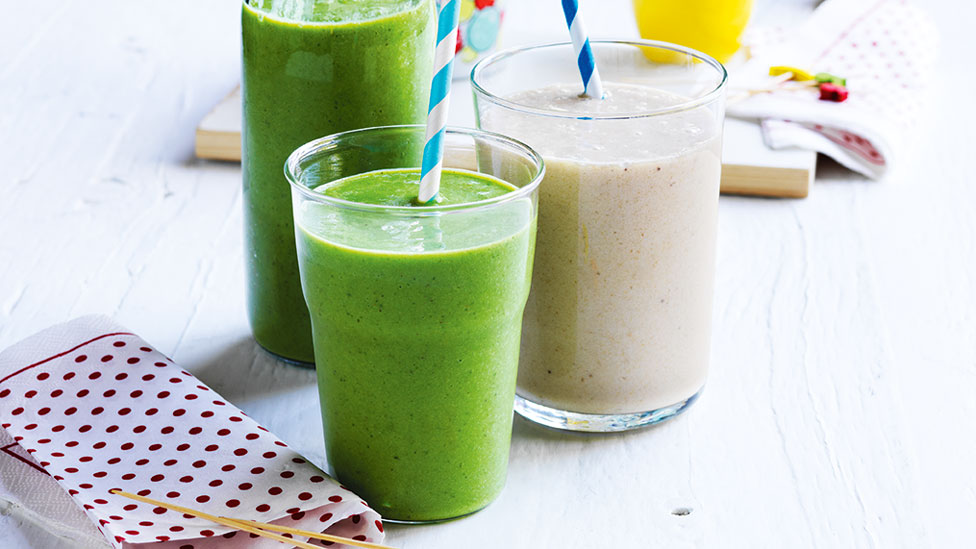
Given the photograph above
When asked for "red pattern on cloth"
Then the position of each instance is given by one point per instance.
(110, 412)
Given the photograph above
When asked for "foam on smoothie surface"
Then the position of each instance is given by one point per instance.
(332, 11)
(619, 140)
(399, 188)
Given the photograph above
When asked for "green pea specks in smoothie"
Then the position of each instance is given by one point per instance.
(399, 188)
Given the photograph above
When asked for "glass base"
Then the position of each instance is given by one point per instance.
(286, 360)
(598, 423)
(432, 521)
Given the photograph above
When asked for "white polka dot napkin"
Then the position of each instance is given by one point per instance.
(885, 49)
(95, 408)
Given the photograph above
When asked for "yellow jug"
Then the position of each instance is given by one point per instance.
(710, 26)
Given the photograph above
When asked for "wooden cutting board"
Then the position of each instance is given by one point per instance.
(749, 167)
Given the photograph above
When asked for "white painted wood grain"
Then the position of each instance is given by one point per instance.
(840, 409)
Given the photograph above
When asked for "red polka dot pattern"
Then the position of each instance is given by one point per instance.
(886, 52)
(151, 433)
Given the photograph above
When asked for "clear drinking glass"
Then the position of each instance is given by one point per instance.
(312, 68)
(416, 314)
(617, 328)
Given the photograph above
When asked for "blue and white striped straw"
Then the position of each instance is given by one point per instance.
(440, 92)
(584, 54)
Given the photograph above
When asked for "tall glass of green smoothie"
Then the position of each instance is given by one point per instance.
(416, 310)
(313, 68)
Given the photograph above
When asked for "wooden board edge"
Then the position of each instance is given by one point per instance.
(767, 181)
(216, 145)
(225, 145)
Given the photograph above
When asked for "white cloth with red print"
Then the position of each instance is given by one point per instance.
(87, 407)
(884, 48)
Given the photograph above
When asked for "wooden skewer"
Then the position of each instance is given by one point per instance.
(257, 528)
(777, 84)
(770, 85)
(313, 535)
(800, 85)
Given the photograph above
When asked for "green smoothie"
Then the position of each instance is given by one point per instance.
(417, 324)
(312, 68)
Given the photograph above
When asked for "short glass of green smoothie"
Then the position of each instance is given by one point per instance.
(416, 310)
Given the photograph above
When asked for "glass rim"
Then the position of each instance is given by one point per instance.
(709, 97)
(261, 12)
(321, 145)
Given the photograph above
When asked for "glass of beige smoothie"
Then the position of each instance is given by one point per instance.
(616, 333)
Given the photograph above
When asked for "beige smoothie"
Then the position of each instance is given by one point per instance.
(619, 316)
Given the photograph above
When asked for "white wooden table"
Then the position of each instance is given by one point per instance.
(840, 410)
